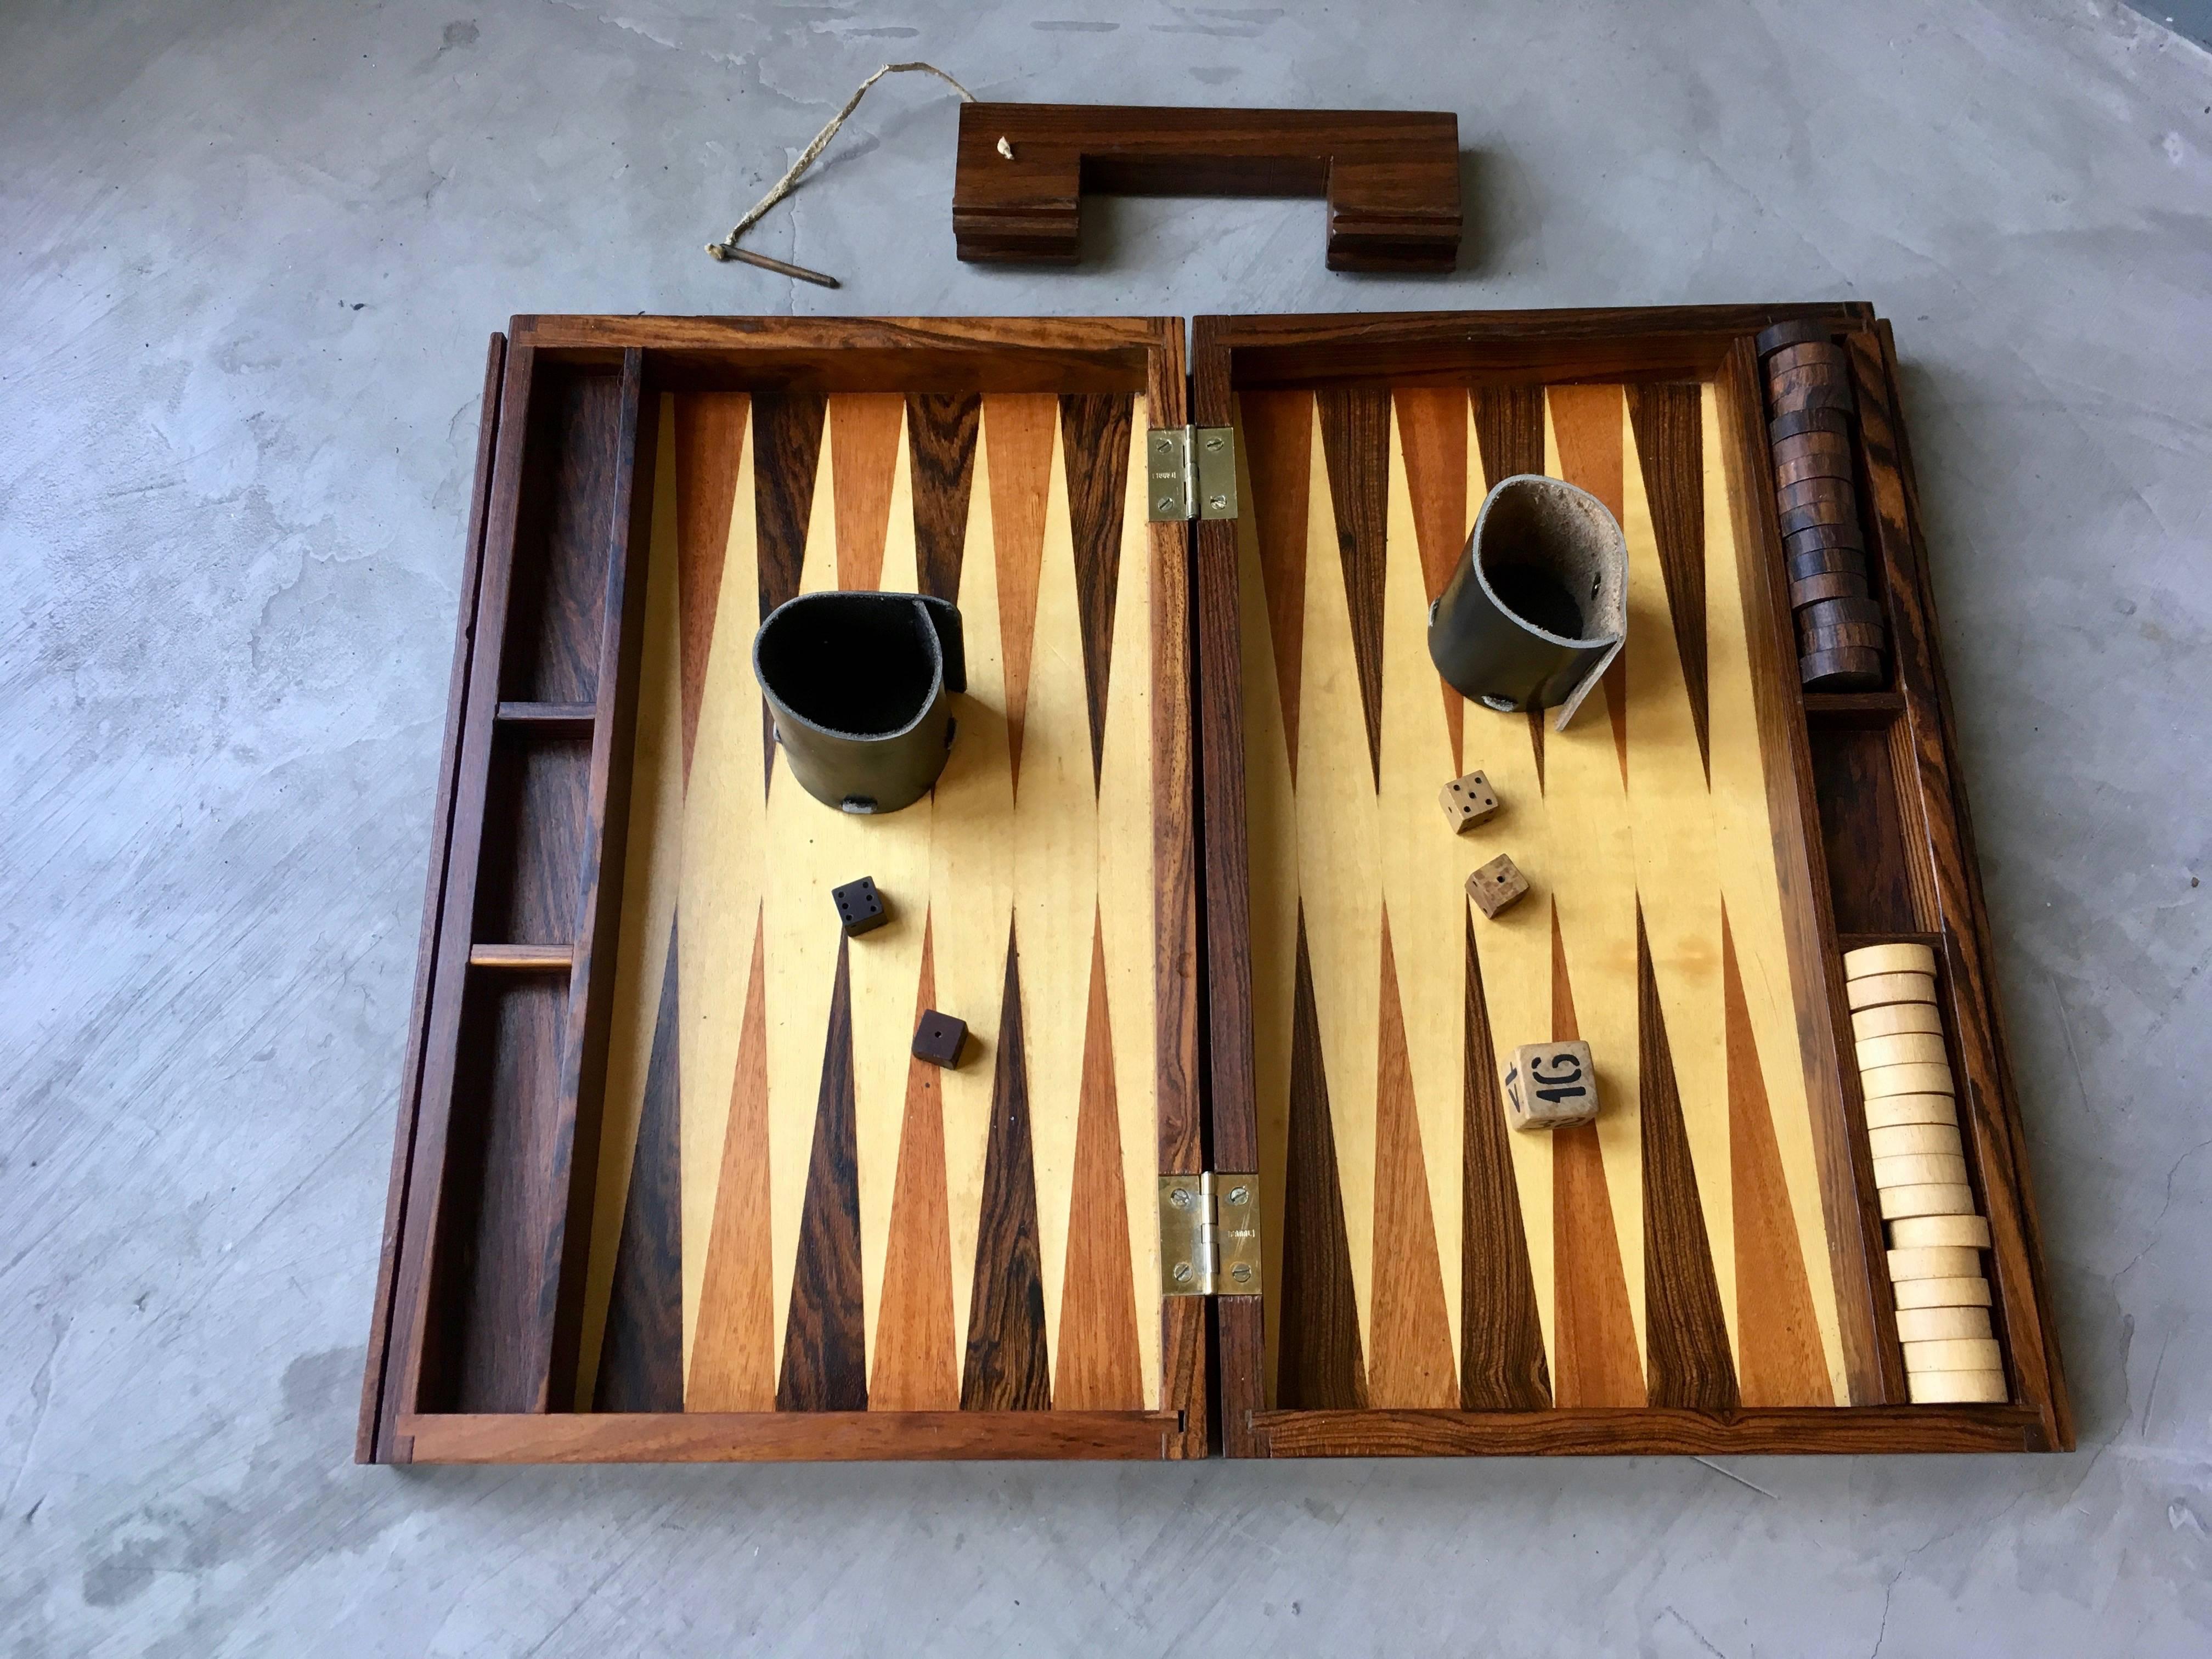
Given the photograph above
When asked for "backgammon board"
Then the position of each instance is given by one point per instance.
(669, 1183)
(1675, 1252)
(828, 1184)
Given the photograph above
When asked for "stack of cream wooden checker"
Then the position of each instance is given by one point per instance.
(1935, 1238)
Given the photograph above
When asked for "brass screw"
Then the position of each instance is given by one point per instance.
(1237, 1195)
(1180, 1197)
(1183, 1273)
(1241, 1272)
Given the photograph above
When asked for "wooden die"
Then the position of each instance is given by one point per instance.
(1551, 1086)
(1469, 800)
(1496, 885)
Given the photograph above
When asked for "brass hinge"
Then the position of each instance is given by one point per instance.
(1190, 472)
(1210, 1234)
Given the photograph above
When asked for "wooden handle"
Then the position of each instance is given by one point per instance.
(1391, 177)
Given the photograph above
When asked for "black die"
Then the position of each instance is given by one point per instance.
(860, 907)
(939, 1038)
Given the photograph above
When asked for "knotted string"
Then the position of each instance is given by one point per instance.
(728, 247)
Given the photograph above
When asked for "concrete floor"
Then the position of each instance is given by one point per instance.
(250, 257)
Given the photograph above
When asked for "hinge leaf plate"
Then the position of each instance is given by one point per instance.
(1190, 472)
(1209, 1235)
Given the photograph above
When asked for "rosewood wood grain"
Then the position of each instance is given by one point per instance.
(1648, 1431)
(1094, 1363)
(1432, 432)
(710, 445)
(824, 1356)
(787, 432)
(1459, 348)
(1780, 1361)
(942, 428)
(1095, 438)
(1410, 1358)
(372, 1434)
(1278, 429)
(1179, 902)
(422, 1333)
(1600, 1359)
(1238, 1323)
(1355, 434)
(1874, 1368)
(534, 802)
(914, 1365)
(1861, 832)
(641, 1356)
(1509, 431)
(619, 574)
(1019, 435)
(1008, 1368)
(1323, 1367)
(1991, 1093)
(1391, 178)
(1502, 1365)
(494, 1316)
(1687, 1359)
(1666, 417)
(789, 1437)
(524, 958)
(565, 716)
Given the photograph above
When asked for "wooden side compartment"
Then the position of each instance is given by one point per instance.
(670, 1184)
(1702, 1270)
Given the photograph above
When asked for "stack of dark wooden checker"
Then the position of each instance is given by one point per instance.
(1840, 636)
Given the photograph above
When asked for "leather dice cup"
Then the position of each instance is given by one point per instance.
(858, 684)
(1539, 604)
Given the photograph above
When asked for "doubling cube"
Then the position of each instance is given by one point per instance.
(939, 1038)
(1468, 800)
(1551, 1086)
(1498, 884)
(860, 907)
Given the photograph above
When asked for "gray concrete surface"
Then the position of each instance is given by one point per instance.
(248, 258)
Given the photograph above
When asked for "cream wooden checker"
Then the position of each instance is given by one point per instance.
(1967, 1232)
(1962, 1292)
(1957, 1387)
(1871, 959)
(1878, 989)
(1894, 1020)
(1954, 1354)
(1943, 1198)
(1933, 1262)
(1920, 1170)
(1942, 1324)
(1889, 1112)
(1884, 1081)
(1898, 1140)
(1905, 1049)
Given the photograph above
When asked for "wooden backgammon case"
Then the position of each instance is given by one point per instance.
(1224, 1166)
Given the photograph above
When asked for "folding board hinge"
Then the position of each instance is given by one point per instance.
(1190, 472)
(1210, 1234)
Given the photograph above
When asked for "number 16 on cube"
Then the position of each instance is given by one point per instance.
(1551, 1086)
